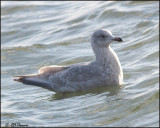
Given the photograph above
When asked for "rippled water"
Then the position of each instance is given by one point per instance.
(36, 34)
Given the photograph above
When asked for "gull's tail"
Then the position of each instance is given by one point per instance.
(35, 80)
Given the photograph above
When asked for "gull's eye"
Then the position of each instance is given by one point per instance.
(102, 36)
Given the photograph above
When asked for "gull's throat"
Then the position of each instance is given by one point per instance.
(102, 54)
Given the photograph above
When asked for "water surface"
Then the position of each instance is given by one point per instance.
(38, 33)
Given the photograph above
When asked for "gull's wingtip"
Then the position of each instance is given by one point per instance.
(35, 80)
(17, 78)
(20, 78)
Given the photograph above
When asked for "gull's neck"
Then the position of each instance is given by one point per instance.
(103, 54)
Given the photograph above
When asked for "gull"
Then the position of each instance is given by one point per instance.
(105, 70)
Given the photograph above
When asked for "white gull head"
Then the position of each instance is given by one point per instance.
(102, 38)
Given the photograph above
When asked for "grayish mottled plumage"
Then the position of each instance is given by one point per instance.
(105, 70)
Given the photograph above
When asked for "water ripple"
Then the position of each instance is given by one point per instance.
(42, 33)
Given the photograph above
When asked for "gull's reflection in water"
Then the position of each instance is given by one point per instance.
(110, 91)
